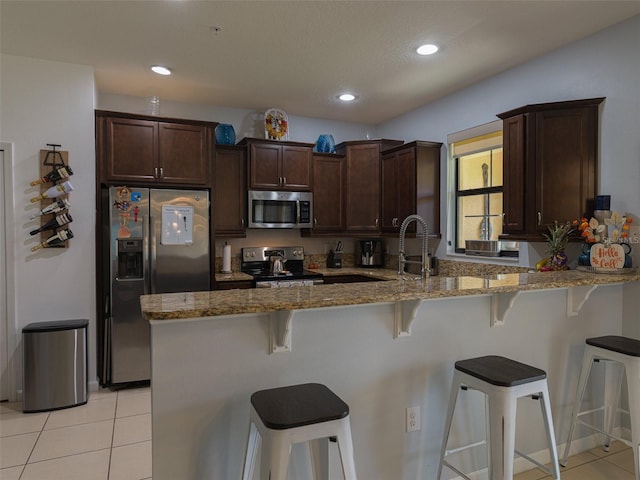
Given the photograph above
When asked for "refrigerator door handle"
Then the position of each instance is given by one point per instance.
(151, 252)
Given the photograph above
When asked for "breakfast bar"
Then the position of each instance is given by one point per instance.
(381, 346)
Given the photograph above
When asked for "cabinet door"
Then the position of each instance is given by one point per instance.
(363, 188)
(565, 164)
(296, 168)
(264, 166)
(328, 199)
(131, 150)
(406, 188)
(230, 192)
(389, 192)
(183, 154)
(513, 142)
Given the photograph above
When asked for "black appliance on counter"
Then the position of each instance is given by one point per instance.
(370, 253)
(277, 267)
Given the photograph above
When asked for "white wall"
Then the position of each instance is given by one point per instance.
(50, 102)
(606, 64)
(246, 123)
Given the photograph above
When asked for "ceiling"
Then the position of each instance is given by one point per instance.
(298, 55)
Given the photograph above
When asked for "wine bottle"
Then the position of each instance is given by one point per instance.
(55, 222)
(55, 207)
(54, 192)
(59, 173)
(54, 240)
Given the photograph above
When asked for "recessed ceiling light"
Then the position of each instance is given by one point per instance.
(160, 70)
(347, 97)
(428, 49)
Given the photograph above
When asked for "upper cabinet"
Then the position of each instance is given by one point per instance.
(328, 193)
(411, 184)
(230, 191)
(143, 149)
(550, 159)
(362, 184)
(275, 165)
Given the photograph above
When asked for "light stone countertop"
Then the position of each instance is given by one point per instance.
(232, 302)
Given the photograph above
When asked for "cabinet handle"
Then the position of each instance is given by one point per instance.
(155, 172)
(284, 180)
(315, 221)
(377, 221)
(504, 218)
(539, 218)
(242, 222)
(161, 172)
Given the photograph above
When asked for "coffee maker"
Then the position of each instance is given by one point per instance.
(370, 253)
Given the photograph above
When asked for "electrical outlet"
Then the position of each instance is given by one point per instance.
(413, 419)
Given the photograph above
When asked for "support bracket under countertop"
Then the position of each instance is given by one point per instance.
(501, 304)
(577, 297)
(280, 325)
(404, 315)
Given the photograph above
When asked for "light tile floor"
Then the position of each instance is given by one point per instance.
(109, 438)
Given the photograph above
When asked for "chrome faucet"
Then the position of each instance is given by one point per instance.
(402, 257)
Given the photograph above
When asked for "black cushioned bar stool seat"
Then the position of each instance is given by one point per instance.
(500, 371)
(283, 416)
(624, 345)
(503, 381)
(298, 405)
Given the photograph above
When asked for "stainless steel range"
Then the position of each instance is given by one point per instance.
(278, 267)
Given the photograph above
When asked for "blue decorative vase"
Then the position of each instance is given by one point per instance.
(225, 134)
(325, 144)
(628, 260)
(584, 260)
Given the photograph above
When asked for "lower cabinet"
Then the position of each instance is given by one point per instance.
(230, 191)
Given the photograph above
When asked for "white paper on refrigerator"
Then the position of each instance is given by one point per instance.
(177, 225)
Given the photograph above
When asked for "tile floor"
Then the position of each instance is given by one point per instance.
(109, 438)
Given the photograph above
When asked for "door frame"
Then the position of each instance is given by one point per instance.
(8, 384)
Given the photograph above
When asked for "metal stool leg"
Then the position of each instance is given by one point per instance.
(614, 372)
(453, 397)
(319, 451)
(253, 443)
(587, 361)
(545, 406)
(279, 455)
(345, 447)
(502, 424)
(633, 385)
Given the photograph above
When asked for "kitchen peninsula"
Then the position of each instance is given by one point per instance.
(382, 346)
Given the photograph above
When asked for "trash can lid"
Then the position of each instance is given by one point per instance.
(54, 326)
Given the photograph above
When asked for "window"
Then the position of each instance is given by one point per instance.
(477, 186)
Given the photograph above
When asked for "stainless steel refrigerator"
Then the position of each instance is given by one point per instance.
(159, 243)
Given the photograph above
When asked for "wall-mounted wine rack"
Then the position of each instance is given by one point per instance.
(54, 172)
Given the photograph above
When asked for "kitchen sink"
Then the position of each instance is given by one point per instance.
(329, 279)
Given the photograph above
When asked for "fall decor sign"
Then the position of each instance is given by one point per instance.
(609, 256)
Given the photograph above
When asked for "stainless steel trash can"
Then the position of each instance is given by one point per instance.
(55, 365)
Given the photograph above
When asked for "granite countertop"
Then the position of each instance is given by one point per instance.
(232, 277)
(231, 302)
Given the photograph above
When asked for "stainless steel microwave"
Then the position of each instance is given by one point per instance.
(280, 209)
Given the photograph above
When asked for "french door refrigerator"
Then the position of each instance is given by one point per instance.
(159, 243)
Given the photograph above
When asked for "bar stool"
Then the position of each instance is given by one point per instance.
(503, 381)
(626, 353)
(283, 416)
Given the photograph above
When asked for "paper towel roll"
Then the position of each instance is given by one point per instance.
(226, 259)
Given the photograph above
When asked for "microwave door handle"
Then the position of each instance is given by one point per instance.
(298, 211)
